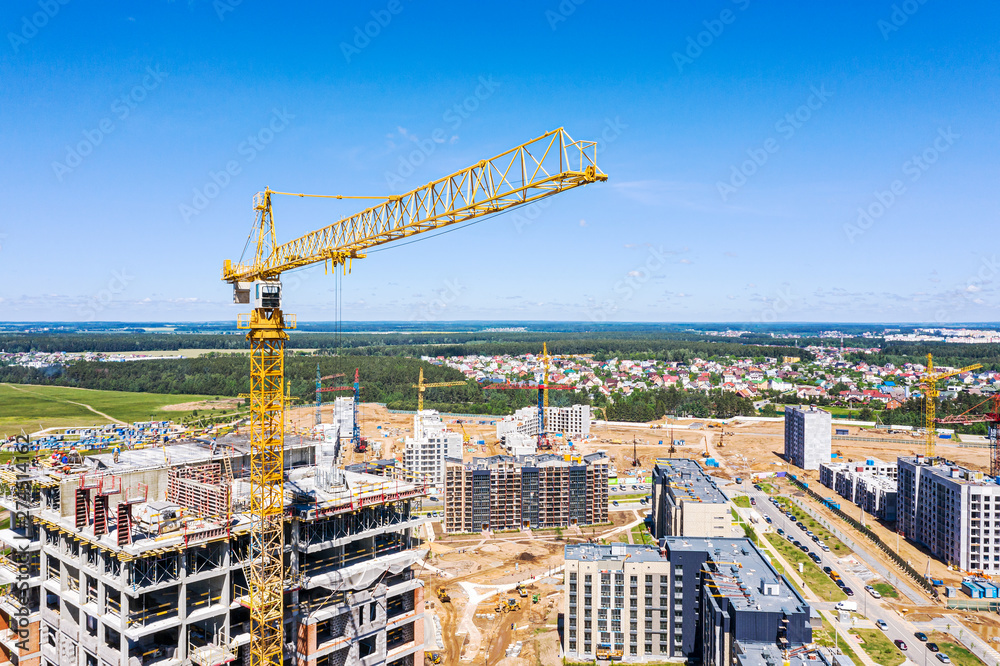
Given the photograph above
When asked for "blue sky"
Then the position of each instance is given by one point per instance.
(766, 162)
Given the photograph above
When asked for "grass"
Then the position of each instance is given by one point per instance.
(886, 590)
(641, 535)
(768, 488)
(836, 545)
(827, 638)
(742, 501)
(879, 648)
(959, 654)
(32, 407)
(814, 577)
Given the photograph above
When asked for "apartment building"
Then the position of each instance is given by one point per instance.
(952, 510)
(138, 560)
(573, 421)
(431, 443)
(807, 436)
(686, 501)
(713, 601)
(871, 484)
(539, 491)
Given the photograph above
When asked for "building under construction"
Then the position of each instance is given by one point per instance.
(539, 491)
(138, 559)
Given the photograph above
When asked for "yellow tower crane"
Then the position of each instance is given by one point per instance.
(928, 384)
(545, 374)
(421, 387)
(547, 165)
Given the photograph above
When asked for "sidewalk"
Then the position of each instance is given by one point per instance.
(847, 638)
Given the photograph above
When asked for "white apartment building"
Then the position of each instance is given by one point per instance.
(573, 421)
(430, 445)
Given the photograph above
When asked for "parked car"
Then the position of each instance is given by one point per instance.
(827, 570)
(881, 625)
(875, 594)
(804, 548)
(825, 547)
(814, 557)
(841, 584)
(781, 532)
(933, 647)
(943, 658)
(848, 591)
(753, 501)
(767, 519)
(614, 503)
(921, 636)
(900, 644)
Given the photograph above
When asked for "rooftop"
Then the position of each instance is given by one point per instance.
(612, 553)
(742, 574)
(689, 481)
(949, 471)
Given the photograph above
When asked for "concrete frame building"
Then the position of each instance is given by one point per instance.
(713, 601)
(431, 443)
(808, 439)
(871, 485)
(539, 491)
(952, 510)
(573, 421)
(109, 576)
(686, 501)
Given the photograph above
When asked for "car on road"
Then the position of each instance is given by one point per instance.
(432, 499)
(781, 532)
(882, 625)
(815, 538)
(614, 503)
(753, 501)
(921, 636)
(933, 647)
(804, 548)
(900, 644)
(841, 584)
(642, 501)
(827, 570)
(767, 519)
(875, 594)
(943, 658)
(848, 591)
(825, 547)
(814, 557)
(796, 543)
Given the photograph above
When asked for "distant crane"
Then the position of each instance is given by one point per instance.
(421, 386)
(541, 388)
(928, 383)
(360, 446)
(319, 392)
(992, 421)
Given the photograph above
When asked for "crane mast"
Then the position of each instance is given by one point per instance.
(536, 169)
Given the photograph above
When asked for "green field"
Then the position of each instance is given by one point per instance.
(879, 648)
(641, 535)
(827, 638)
(818, 582)
(33, 408)
(742, 501)
(886, 590)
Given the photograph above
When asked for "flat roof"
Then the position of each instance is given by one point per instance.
(695, 483)
(944, 469)
(612, 553)
(739, 570)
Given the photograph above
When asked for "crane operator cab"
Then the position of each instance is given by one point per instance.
(264, 294)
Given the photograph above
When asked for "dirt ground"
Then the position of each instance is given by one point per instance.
(224, 403)
(507, 558)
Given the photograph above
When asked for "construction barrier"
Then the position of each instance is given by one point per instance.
(874, 538)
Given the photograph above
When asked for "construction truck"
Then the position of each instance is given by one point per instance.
(435, 658)
(443, 595)
(521, 591)
(507, 606)
(605, 651)
(361, 446)
(535, 598)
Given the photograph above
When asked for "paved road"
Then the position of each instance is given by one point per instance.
(898, 628)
